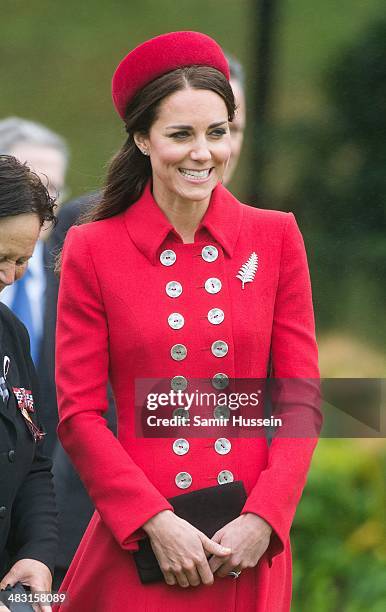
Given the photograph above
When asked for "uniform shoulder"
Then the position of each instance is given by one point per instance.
(13, 325)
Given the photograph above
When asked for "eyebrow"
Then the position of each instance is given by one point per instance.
(9, 256)
(189, 127)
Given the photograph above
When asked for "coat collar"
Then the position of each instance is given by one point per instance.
(148, 227)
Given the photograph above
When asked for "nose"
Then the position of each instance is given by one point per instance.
(8, 274)
(200, 152)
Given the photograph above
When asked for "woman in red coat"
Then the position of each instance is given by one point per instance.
(175, 279)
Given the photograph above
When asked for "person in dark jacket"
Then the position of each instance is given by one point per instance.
(28, 518)
(46, 153)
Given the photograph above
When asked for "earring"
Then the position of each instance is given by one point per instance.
(144, 152)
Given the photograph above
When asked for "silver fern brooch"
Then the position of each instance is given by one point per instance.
(248, 270)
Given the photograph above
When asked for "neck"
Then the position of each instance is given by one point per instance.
(184, 215)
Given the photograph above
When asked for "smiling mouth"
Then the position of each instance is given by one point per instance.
(195, 175)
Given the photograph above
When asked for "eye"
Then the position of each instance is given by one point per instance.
(218, 132)
(180, 135)
(21, 262)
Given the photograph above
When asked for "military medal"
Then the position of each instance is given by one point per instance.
(3, 389)
(25, 404)
(3, 385)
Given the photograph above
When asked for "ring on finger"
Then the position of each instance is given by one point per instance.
(234, 573)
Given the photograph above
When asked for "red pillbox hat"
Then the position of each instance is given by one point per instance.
(163, 54)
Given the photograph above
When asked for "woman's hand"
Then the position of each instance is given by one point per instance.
(248, 537)
(182, 550)
(31, 573)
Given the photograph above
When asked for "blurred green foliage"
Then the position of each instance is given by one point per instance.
(339, 533)
(337, 187)
(57, 60)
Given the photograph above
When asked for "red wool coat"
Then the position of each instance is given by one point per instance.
(113, 322)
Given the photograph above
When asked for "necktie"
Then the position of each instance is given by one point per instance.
(22, 308)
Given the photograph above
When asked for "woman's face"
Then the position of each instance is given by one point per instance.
(189, 145)
(18, 236)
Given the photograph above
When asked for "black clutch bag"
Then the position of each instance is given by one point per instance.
(206, 509)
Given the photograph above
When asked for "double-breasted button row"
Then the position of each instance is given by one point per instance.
(209, 253)
(220, 412)
(219, 381)
(3, 511)
(179, 351)
(177, 321)
(184, 480)
(174, 288)
(222, 446)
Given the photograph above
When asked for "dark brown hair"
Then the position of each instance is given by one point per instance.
(21, 191)
(129, 170)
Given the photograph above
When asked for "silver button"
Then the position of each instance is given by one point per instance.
(178, 352)
(209, 253)
(182, 413)
(180, 446)
(221, 412)
(183, 480)
(168, 257)
(216, 316)
(222, 446)
(173, 289)
(219, 348)
(224, 476)
(178, 383)
(220, 381)
(176, 320)
(213, 285)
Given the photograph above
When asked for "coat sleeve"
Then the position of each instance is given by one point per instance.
(121, 492)
(294, 356)
(34, 528)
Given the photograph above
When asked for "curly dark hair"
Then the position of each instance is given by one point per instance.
(22, 191)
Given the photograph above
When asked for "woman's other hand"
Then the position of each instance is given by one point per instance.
(182, 550)
(248, 537)
(32, 573)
